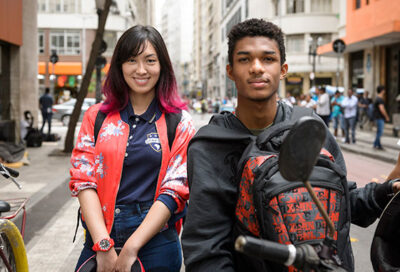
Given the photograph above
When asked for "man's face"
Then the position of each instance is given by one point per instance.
(256, 68)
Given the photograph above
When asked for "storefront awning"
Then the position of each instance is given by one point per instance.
(65, 68)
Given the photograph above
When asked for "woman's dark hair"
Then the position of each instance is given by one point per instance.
(131, 44)
(253, 28)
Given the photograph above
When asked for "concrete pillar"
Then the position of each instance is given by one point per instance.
(369, 65)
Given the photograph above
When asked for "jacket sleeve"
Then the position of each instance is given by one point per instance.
(175, 182)
(207, 234)
(82, 158)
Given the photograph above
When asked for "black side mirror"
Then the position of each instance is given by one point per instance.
(300, 149)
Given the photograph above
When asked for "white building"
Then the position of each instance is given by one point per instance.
(177, 31)
(69, 26)
(302, 21)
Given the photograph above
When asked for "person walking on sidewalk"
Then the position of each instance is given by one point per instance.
(337, 113)
(45, 105)
(349, 105)
(256, 54)
(380, 115)
(363, 104)
(131, 181)
(323, 106)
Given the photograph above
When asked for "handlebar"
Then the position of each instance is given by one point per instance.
(10, 173)
(303, 257)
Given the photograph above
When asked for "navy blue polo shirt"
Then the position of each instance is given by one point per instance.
(142, 158)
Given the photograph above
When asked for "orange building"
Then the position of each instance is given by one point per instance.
(372, 55)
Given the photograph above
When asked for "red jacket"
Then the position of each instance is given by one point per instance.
(100, 167)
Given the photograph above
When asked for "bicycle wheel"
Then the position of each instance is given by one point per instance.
(13, 247)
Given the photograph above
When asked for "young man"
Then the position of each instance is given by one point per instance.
(256, 65)
(380, 116)
(45, 104)
(323, 108)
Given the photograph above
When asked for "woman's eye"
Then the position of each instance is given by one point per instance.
(131, 60)
(151, 60)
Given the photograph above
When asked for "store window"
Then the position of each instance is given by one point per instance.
(295, 43)
(41, 42)
(321, 5)
(294, 6)
(65, 42)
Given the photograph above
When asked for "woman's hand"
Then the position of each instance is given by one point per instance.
(126, 258)
(106, 260)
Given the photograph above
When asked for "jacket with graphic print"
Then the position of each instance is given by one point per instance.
(100, 166)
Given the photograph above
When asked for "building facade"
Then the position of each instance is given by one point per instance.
(68, 28)
(18, 66)
(372, 56)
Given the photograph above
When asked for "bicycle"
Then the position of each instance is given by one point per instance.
(12, 248)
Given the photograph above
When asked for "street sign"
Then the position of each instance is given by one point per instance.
(339, 46)
(54, 57)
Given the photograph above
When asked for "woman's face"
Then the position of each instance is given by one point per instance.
(142, 72)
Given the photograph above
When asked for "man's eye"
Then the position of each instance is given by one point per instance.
(243, 59)
(268, 59)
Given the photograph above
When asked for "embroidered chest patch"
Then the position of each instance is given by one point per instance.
(153, 141)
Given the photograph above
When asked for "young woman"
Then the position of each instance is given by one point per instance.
(131, 185)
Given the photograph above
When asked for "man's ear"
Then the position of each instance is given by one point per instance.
(229, 72)
(284, 70)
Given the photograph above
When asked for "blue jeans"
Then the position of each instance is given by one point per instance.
(350, 123)
(379, 131)
(161, 253)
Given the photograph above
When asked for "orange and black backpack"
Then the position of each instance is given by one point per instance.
(272, 208)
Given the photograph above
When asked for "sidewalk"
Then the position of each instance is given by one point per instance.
(364, 144)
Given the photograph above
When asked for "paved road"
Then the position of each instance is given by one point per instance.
(51, 249)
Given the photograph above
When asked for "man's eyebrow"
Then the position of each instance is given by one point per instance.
(248, 53)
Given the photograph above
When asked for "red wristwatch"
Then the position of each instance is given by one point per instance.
(103, 245)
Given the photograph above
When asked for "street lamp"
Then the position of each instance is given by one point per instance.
(312, 52)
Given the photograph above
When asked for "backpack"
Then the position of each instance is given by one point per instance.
(172, 120)
(371, 111)
(272, 208)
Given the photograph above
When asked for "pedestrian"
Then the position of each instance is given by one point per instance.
(349, 105)
(309, 102)
(363, 104)
(256, 63)
(131, 182)
(323, 106)
(337, 113)
(380, 115)
(45, 105)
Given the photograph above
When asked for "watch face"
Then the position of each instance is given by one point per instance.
(104, 244)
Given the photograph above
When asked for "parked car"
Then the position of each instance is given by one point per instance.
(64, 110)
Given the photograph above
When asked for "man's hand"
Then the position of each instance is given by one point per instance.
(396, 187)
(106, 260)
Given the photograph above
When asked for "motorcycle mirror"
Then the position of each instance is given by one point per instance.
(300, 149)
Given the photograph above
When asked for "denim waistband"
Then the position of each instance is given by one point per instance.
(133, 208)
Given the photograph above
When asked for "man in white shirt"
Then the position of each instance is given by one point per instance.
(323, 107)
(349, 105)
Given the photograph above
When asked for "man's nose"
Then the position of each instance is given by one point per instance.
(257, 67)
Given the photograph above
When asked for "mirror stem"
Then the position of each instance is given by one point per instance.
(320, 209)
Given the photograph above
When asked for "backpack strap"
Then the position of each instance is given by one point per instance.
(100, 117)
(172, 120)
(265, 137)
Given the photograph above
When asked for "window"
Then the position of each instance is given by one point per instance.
(41, 42)
(321, 5)
(276, 5)
(295, 43)
(325, 37)
(236, 18)
(65, 42)
(110, 38)
(358, 4)
(294, 6)
(59, 6)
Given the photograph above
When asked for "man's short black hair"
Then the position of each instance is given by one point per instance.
(253, 28)
(380, 88)
(47, 90)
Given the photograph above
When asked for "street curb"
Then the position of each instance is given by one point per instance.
(42, 206)
(367, 154)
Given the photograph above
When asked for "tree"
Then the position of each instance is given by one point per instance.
(69, 139)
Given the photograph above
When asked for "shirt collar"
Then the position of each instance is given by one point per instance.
(151, 115)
